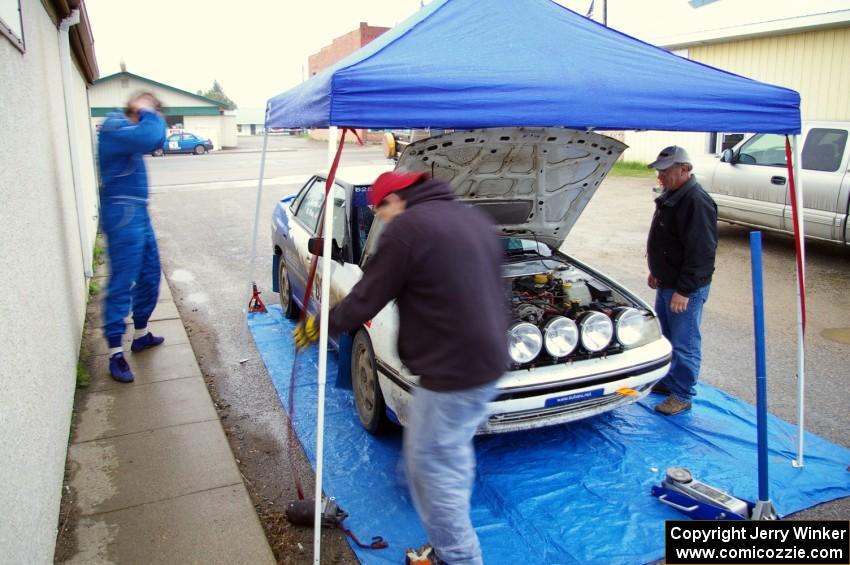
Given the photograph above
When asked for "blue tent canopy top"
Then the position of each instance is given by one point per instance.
(467, 64)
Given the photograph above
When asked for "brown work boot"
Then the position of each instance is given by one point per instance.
(673, 406)
(659, 388)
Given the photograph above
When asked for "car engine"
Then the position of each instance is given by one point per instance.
(562, 313)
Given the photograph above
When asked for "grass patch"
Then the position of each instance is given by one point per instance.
(83, 375)
(94, 288)
(99, 255)
(631, 169)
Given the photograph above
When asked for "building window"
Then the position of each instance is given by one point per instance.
(11, 22)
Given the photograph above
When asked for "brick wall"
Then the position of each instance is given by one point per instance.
(343, 46)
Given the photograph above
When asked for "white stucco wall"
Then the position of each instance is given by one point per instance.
(221, 130)
(43, 289)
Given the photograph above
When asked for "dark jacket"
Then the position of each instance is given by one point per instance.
(442, 262)
(683, 238)
(120, 147)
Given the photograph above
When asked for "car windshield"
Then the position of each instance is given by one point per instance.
(515, 246)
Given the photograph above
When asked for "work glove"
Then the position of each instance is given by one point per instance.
(306, 332)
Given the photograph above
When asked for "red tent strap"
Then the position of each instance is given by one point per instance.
(798, 237)
(306, 302)
(377, 541)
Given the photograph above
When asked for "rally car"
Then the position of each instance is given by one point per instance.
(580, 344)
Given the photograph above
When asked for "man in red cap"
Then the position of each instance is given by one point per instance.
(441, 261)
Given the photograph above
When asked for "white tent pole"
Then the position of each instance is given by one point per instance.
(256, 220)
(801, 285)
(323, 349)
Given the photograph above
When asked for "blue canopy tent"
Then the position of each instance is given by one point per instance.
(461, 64)
(468, 64)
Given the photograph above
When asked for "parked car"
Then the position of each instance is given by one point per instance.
(750, 186)
(184, 143)
(580, 343)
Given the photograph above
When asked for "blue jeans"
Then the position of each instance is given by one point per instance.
(134, 268)
(440, 461)
(683, 332)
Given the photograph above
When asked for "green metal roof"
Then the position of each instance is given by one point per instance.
(102, 111)
(125, 74)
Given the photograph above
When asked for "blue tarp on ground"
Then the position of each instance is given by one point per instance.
(469, 64)
(577, 493)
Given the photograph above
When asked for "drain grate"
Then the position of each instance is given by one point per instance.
(839, 335)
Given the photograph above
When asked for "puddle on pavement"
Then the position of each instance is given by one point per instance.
(182, 276)
(839, 335)
(198, 297)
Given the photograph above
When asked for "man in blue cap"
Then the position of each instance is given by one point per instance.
(131, 244)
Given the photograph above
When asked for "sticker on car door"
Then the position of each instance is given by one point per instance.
(574, 397)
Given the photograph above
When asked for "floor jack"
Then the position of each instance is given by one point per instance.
(680, 490)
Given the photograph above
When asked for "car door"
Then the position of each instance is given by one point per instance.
(187, 143)
(824, 165)
(173, 143)
(752, 189)
(305, 215)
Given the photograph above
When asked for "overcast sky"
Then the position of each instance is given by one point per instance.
(257, 49)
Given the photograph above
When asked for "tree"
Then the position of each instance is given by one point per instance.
(217, 93)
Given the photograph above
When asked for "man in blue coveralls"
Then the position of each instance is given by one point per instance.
(131, 243)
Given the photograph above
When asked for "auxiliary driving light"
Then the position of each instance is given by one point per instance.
(560, 336)
(596, 330)
(524, 342)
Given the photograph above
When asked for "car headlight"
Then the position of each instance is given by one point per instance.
(560, 336)
(524, 342)
(596, 330)
(628, 326)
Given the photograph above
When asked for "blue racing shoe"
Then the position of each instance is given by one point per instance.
(147, 340)
(119, 369)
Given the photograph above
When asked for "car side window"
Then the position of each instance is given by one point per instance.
(300, 196)
(765, 149)
(310, 209)
(311, 205)
(824, 149)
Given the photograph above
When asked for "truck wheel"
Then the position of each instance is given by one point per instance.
(368, 398)
(287, 304)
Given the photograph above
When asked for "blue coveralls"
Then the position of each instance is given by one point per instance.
(131, 243)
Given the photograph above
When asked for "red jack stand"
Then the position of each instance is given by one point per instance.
(255, 304)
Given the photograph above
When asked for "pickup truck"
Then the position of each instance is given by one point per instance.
(750, 186)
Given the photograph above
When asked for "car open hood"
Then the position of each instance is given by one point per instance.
(532, 181)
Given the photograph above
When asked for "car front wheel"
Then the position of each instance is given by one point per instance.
(287, 304)
(368, 398)
(157, 152)
(200, 150)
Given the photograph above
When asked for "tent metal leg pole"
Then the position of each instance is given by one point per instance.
(256, 220)
(323, 352)
(801, 283)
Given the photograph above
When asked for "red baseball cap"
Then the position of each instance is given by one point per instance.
(392, 181)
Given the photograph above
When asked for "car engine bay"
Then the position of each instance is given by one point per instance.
(562, 313)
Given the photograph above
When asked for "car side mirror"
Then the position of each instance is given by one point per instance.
(315, 245)
(728, 156)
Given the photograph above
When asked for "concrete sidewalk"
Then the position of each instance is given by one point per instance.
(152, 473)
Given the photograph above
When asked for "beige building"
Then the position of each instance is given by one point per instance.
(193, 113)
(809, 54)
(48, 222)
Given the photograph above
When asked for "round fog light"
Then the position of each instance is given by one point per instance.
(560, 336)
(596, 331)
(524, 342)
